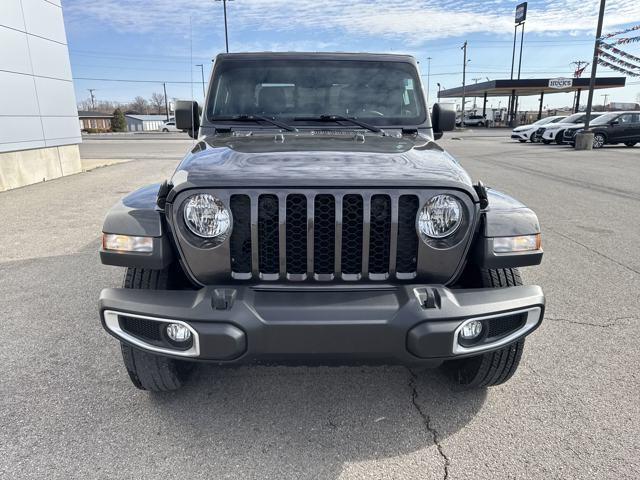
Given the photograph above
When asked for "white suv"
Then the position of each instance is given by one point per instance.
(528, 132)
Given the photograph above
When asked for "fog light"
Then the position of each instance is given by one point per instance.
(178, 332)
(471, 330)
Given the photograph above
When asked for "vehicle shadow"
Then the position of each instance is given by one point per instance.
(298, 422)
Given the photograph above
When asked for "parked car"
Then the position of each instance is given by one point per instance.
(529, 132)
(611, 129)
(170, 126)
(475, 121)
(555, 132)
(317, 221)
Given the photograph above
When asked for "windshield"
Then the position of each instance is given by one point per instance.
(604, 119)
(542, 121)
(379, 93)
(575, 118)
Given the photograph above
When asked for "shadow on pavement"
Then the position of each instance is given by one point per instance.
(314, 420)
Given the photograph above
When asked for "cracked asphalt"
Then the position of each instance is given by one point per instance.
(68, 411)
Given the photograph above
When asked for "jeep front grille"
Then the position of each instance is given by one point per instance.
(324, 236)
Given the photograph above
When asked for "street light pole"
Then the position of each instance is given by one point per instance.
(226, 34)
(584, 140)
(202, 72)
(594, 63)
(166, 101)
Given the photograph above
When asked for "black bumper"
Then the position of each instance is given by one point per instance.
(412, 324)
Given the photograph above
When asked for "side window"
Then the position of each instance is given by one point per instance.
(635, 118)
(626, 119)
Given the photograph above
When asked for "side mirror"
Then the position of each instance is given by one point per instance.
(443, 118)
(614, 122)
(188, 117)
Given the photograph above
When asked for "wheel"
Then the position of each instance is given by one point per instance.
(545, 141)
(599, 140)
(534, 139)
(492, 368)
(559, 137)
(165, 130)
(148, 371)
(630, 144)
(522, 141)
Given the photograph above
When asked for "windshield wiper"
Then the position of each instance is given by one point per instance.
(256, 118)
(341, 118)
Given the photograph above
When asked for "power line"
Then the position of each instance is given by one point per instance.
(133, 80)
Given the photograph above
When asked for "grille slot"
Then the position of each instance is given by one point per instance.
(380, 236)
(296, 234)
(352, 226)
(240, 244)
(302, 235)
(268, 236)
(324, 231)
(407, 254)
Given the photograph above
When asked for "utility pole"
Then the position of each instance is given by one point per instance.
(464, 77)
(226, 34)
(93, 98)
(428, 78)
(580, 66)
(604, 104)
(586, 140)
(202, 72)
(166, 100)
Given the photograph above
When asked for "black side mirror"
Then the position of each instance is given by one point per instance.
(443, 118)
(188, 117)
(614, 122)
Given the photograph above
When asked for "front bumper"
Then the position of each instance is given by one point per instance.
(408, 324)
(524, 135)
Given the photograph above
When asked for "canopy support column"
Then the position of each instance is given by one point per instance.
(577, 106)
(540, 109)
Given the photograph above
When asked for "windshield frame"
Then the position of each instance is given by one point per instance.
(423, 121)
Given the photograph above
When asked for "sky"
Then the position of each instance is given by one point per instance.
(155, 41)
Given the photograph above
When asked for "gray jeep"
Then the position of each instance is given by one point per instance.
(317, 221)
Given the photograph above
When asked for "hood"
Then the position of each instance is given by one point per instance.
(319, 159)
(522, 128)
(558, 126)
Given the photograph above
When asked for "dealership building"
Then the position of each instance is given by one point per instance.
(39, 128)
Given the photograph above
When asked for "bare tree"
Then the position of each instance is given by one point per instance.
(157, 102)
(139, 105)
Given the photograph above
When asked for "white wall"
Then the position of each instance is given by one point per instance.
(37, 101)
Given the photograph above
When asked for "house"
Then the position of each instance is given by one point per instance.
(94, 120)
(144, 123)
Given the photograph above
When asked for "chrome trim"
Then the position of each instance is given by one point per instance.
(112, 323)
(533, 318)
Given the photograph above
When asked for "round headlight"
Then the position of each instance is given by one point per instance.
(440, 217)
(206, 216)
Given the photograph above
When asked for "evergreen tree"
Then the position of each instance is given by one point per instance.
(118, 123)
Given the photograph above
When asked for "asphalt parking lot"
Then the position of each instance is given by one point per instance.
(68, 410)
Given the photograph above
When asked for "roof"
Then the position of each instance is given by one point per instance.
(371, 57)
(89, 114)
(530, 86)
(148, 118)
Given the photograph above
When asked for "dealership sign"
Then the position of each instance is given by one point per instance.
(521, 13)
(560, 83)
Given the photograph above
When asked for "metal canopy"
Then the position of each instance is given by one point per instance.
(530, 86)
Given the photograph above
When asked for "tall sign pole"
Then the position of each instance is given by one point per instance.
(464, 78)
(428, 78)
(521, 16)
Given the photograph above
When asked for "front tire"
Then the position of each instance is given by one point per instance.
(146, 370)
(630, 144)
(599, 140)
(545, 141)
(522, 141)
(492, 368)
(559, 137)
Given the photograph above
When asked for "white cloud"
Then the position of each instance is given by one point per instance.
(414, 22)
